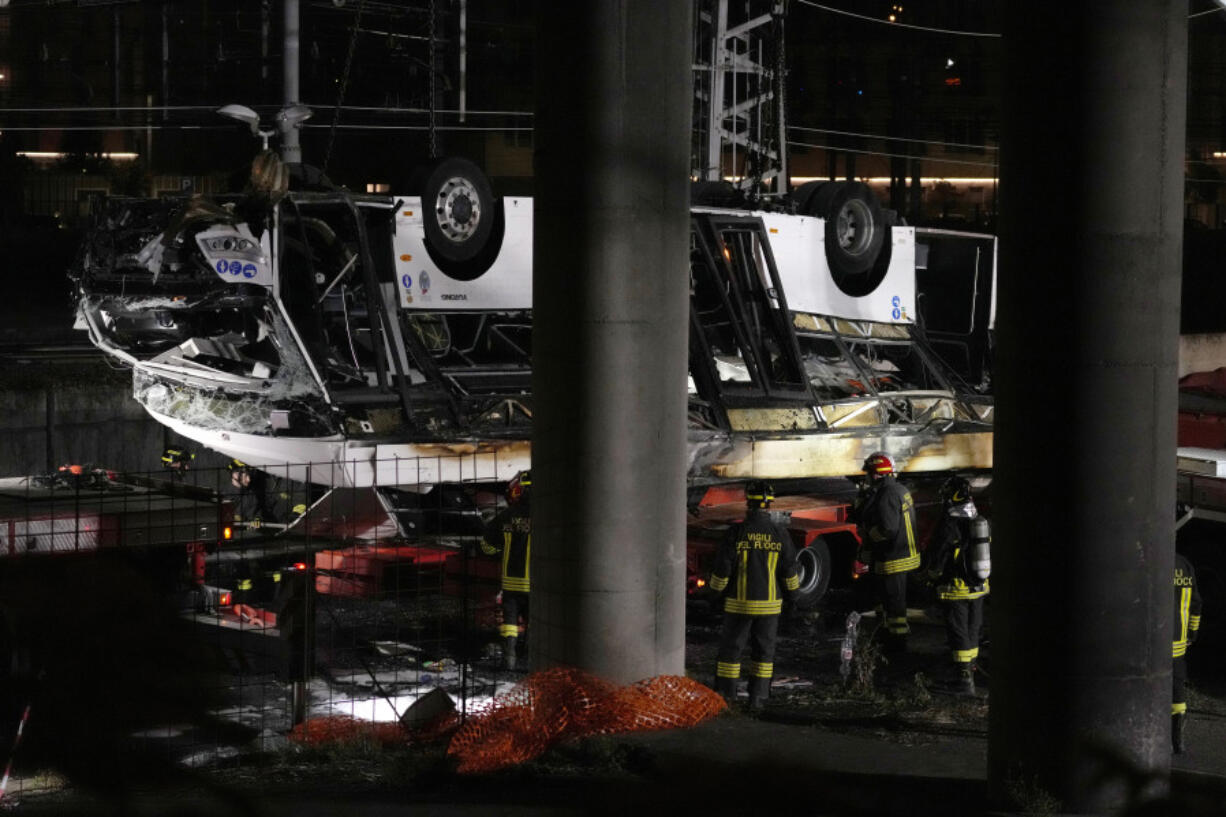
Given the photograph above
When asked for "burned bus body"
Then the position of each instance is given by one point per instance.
(359, 340)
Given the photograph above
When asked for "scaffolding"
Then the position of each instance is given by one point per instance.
(739, 94)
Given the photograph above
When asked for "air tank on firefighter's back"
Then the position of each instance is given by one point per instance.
(980, 551)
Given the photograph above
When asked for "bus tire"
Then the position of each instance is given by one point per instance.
(458, 211)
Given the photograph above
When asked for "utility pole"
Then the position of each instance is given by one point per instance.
(291, 150)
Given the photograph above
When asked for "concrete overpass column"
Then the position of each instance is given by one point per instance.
(610, 329)
(1092, 152)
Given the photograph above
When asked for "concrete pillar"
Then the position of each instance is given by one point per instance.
(610, 330)
(1083, 495)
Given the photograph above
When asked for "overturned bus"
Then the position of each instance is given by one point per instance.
(363, 340)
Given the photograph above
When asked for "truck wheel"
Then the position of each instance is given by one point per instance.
(458, 213)
(813, 565)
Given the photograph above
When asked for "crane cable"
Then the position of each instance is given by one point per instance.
(340, 93)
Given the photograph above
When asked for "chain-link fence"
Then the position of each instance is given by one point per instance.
(194, 615)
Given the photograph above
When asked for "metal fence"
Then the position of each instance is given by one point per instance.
(213, 614)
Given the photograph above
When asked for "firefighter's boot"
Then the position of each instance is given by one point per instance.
(759, 691)
(508, 652)
(727, 688)
(1177, 740)
(965, 682)
(894, 644)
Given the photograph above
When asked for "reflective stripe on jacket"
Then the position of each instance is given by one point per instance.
(887, 517)
(1187, 606)
(510, 533)
(756, 565)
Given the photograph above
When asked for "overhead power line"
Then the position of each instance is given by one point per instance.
(223, 126)
(932, 30)
(378, 109)
(891, 155)
(53, 128)
(929, 29)
(893, 138)
(465, 128)
(118, 109)
(160, 108)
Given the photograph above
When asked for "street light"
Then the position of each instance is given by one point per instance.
(289, 117)
(244, 114)
(293, 116)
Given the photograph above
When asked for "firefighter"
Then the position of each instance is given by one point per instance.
(755, 567)
(1187, 625)
(258, 502)
(958, 566)
(510, 533)
(177, 460)
(885, 515)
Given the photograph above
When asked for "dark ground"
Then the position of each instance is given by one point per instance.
(886, 741)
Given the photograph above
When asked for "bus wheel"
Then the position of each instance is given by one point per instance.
(458, 209)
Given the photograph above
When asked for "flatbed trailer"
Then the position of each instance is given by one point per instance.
(1201, 483)
(84, 511)
(178, 539)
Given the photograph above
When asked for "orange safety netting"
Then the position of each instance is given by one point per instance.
(563, 703)
(334, 729)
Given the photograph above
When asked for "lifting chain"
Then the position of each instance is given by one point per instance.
(433, 130)
(340, 93)
(778, 124)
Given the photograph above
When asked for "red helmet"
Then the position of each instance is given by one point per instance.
(517, 488)
(878, 464)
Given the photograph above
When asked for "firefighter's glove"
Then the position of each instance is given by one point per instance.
(859, 568)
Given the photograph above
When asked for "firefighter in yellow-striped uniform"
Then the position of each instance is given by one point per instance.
(262, 499)
(755, 567)
(176, 460)
(510, 534)
(885, 515)
(958, 566)
(1187, 625)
